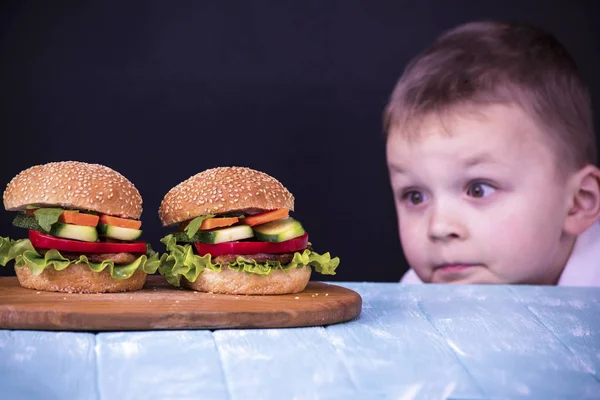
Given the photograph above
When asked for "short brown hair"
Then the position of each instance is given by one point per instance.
(497, 62)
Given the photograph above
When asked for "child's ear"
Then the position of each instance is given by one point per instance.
(585, 202)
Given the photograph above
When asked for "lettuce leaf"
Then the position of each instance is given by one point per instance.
(46, 217)
(27, 222)
(183, 237)
(195, 224)
(6, 245)
(180, 260)
(24, 254)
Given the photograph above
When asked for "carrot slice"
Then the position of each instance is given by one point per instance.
(265, 217)
(211, 223)
(73, 217)
(120, 222)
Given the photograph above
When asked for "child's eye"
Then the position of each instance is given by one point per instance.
(414, 197)
(479, 189)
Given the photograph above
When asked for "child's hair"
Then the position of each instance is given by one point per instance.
(495, 62)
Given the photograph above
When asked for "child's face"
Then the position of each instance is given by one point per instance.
(479, 198)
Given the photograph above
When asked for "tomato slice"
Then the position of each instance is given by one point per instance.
(43, 241)
(289, 246)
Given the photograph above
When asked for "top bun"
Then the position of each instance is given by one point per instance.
(74, 185)
(222, 190)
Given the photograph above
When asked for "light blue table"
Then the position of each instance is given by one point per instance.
(422, 341)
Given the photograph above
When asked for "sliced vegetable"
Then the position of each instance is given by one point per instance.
(289, 246)
(71, 217)
(78, 218)
(226, 234)
(279, 230)
(195, 224)
(263, 218)
(212, 223)
(120, 222)
(76, 232)
(43, 241)
(116, 232)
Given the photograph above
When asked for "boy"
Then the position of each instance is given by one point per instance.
(491, 154)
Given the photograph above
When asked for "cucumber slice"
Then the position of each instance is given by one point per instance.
(279, 230)
(116, 232)
(76, 232)
(228, 234)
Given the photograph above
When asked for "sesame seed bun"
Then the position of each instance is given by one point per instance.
(74, 185)
(228, 281)
(79, 278)
(221, 190)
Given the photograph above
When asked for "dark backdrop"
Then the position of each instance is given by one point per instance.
(161, 90)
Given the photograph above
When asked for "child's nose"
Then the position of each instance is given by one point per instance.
(445, 223)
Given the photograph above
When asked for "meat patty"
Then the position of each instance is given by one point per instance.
(283, 258)
(117, 258)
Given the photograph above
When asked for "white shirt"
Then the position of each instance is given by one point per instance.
(583, 266)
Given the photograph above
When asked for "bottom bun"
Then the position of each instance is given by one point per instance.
(79, 278)
(228, 281)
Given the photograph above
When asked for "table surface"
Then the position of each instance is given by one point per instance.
(410, 341)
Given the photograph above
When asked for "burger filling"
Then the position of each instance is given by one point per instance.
(59, 237)
(252, 241)
(117, 258)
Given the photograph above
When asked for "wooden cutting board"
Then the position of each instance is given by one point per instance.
(161, 306)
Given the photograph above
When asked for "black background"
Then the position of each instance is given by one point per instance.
(161, 90)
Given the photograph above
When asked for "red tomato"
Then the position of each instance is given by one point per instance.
(43, 241)
(289, 246)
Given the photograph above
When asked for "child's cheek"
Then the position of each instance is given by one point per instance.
(412, 242)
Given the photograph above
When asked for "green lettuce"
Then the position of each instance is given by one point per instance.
(46, 217)
(24, 254)
(6, 245)
(195, 224)
(183, 237)
(180, 260)
(27, 222)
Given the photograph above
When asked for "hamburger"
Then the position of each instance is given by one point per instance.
(83, 227)
(235, 236)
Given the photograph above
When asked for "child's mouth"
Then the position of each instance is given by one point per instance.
(456, 272)
(454, 268)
